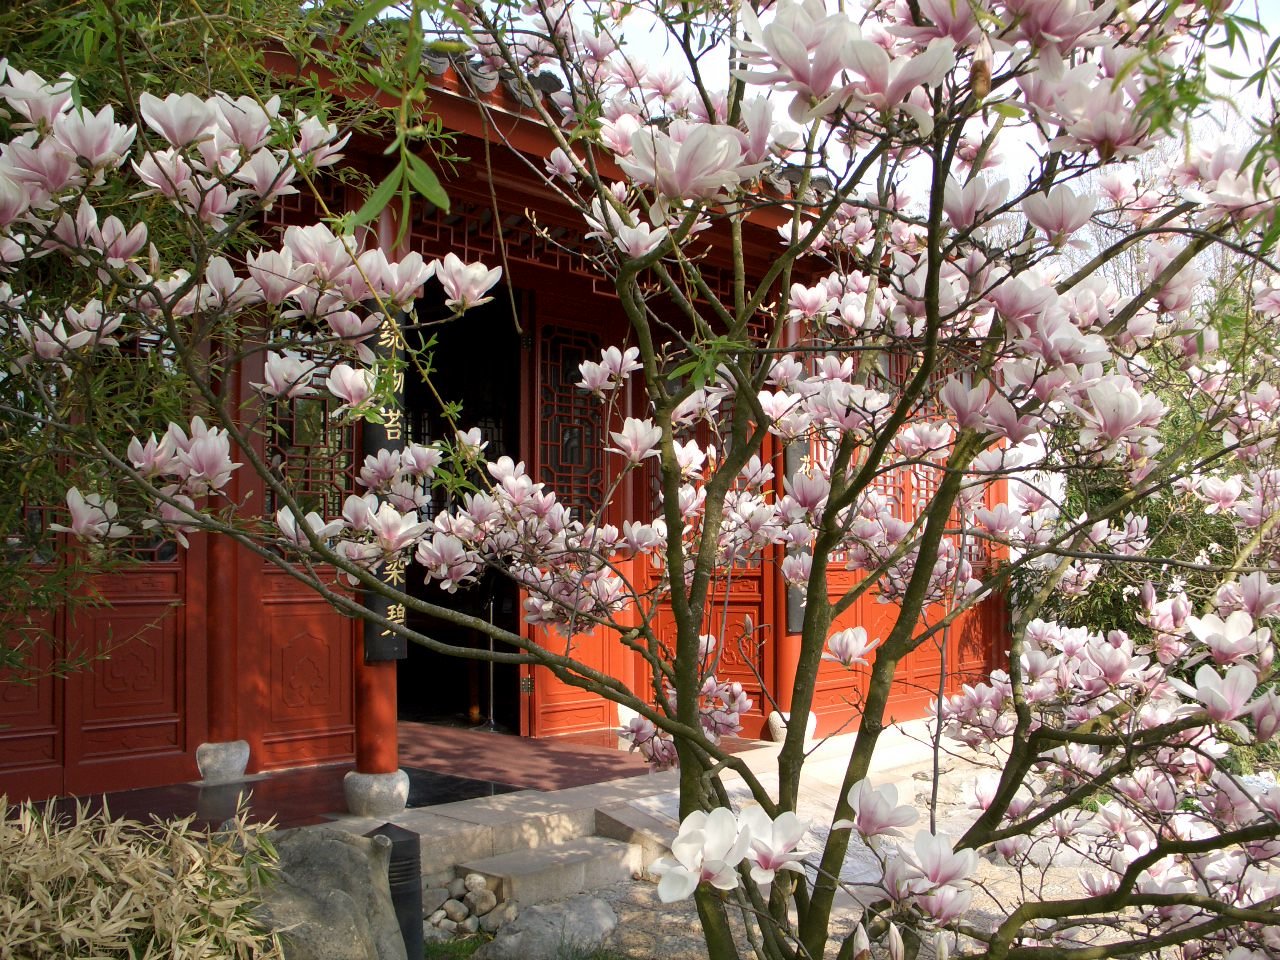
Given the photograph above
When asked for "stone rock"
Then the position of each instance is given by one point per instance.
(331, 899)
(469, 925)
(455, 910)
(448, 926)
(432, 934)
(499, 916)
(433, 899)
(548, 931)
(480, 902)
(457, 888)
(475, 881)
(436, 917)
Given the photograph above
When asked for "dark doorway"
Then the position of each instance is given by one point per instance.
(475, 363)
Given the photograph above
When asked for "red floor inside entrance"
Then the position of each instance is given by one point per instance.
(556, 763)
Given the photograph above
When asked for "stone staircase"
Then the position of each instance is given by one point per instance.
(535, 847)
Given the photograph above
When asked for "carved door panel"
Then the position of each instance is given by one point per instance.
(31, 741)
(136, 714)
(569, 435)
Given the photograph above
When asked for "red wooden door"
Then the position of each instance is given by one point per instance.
(134, 714)
(567, 427)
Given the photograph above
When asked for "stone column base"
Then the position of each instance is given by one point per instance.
(777, 722)
(222, 762)
(376, 794)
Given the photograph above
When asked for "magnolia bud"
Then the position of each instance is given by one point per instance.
(980, 73)
(897, 949)
(861, 945)
(941, 951)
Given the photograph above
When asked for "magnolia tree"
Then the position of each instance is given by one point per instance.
(928, 309)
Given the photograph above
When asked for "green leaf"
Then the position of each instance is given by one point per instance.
(368, 11)
(1008, 110)
(424, 180)
(378, 200)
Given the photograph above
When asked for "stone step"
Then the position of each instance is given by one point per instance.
(559, 870)
(624, 823)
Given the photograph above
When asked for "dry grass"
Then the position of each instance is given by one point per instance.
(93, 886)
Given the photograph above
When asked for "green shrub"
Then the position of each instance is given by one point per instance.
(91, 885)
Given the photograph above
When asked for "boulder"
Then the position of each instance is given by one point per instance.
(433, 899)
(457, 888)
(474, 882)
(455, 910)
(480, 902)
(547, 931)
(499, 916)
(331, 899)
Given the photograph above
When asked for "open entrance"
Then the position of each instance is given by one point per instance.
(476, 364)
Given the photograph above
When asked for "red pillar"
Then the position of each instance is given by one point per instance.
(377, 749)
(222, 615)
(787, 661)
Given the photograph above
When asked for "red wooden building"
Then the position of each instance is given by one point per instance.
(213, 644)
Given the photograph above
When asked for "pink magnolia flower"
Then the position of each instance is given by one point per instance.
(1224, 698)
(205, 463)
(358, 512)
(14, 199)
(800, 50)
(773, 842)
(446, 559)
(708, 848)
(175, 517)
(1231, 639)
(1266, 715)
(638, 439)
(968, 404)
(277, 274)
(888, 82)
(1059, 213)
(937, 863)
(179, 118)
(95, 140)
(328, 255)
(92, 517)
(850, 646)
(154, 458)
(287, 375)
(296, 534)
(965, 205)
(267, 175)
(466, 284)
(876, 811)
(1221, 495)
(615, 366)
(353, 387)
(244, 121)
(319, 142)
(945, 903)
(702, 165)
(40, 101)
(420, 460)
(395, 530)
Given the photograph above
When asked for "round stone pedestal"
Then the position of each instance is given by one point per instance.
(222, 762)
(777, 726)
(376, 794)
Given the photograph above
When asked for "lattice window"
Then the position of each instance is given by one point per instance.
(571, 433)
(311, 454)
